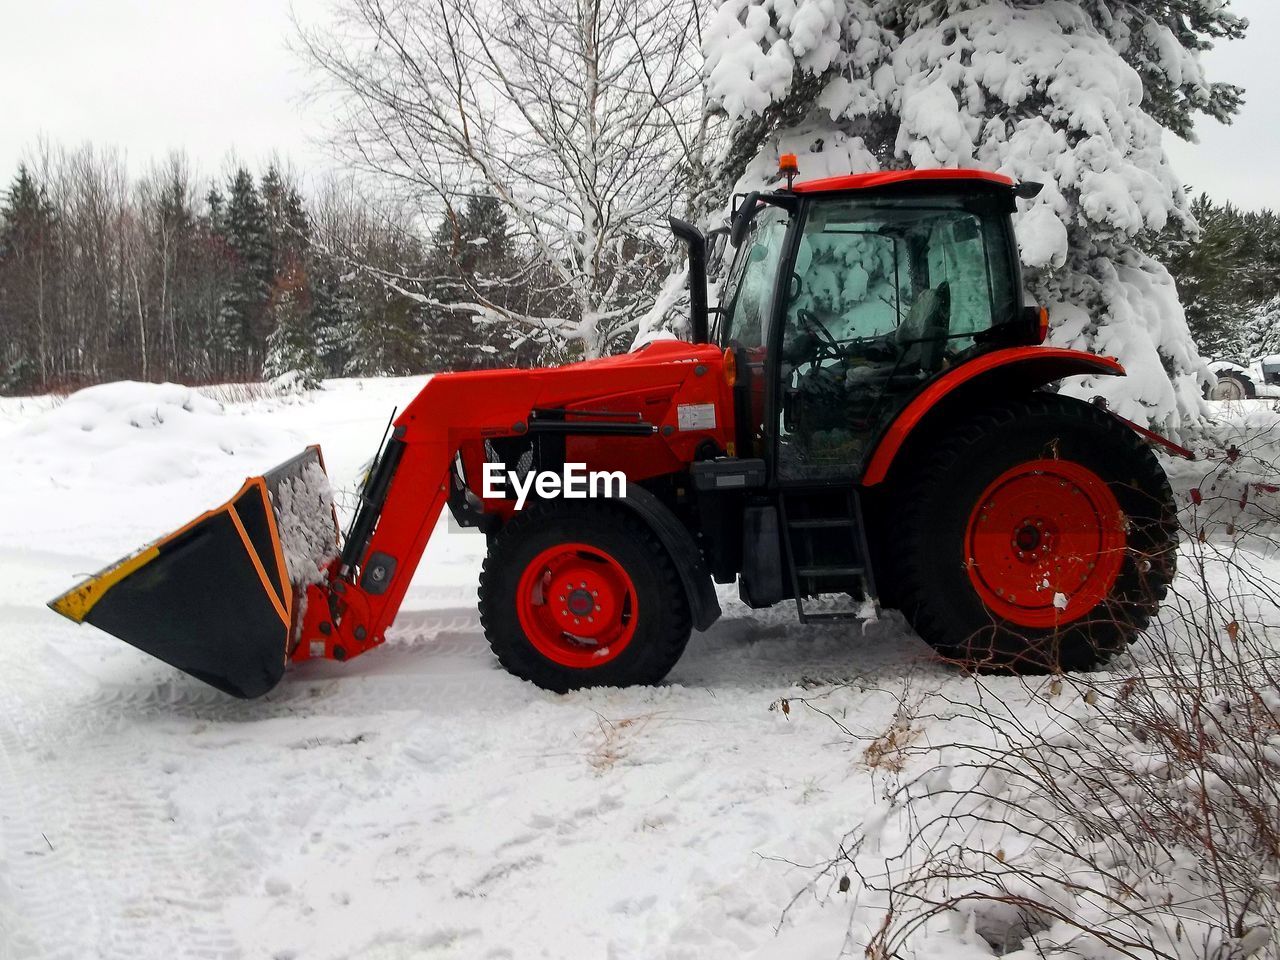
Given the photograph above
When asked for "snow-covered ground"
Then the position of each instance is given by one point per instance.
(417, 801)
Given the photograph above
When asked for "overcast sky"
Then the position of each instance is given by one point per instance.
(1239, 162)
(151, 76)
(212, 76)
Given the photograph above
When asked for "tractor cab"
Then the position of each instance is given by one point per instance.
(865, 319)
(844, 296)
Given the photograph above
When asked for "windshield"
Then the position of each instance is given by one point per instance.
(748, 291)
(910, 268)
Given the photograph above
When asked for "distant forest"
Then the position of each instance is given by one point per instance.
(168, 277)
(1229, 279)
(247, 277)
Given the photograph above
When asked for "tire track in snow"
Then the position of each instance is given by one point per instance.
(44, 875)
(435, 662)
(89, 846)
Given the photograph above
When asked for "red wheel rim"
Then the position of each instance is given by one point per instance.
(577, 605)
(1045, 543)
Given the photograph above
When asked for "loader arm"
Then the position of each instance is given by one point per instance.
(455, 414)
(406, 491)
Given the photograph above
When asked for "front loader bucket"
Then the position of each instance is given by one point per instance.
(217, 597)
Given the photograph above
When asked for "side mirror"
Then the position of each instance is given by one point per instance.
(742, 218)
(697, 244)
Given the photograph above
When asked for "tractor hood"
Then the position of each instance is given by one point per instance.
(656, 364)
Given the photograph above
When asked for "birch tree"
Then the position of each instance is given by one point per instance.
(581, 118)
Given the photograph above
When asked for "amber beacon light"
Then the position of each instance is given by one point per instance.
(788, 167)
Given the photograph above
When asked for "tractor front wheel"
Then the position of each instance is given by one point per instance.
(574, 596)
(1040, 536)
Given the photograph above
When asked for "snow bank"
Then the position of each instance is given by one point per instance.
(136, 434)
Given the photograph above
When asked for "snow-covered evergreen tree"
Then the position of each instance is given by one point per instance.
(242, 319)
(288, 230)
(291, 345)
(1207, 266)
(333, 315)
(301, 334)
(1075, 95)
(1228, 276)
(28, 227)
(387, 338)
(1259, 335)
(470, 256)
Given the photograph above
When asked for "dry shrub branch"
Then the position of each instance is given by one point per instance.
(1129, 814)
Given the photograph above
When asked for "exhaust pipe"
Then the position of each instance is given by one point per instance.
(697, 244)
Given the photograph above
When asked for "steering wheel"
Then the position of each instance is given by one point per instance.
(810, 322)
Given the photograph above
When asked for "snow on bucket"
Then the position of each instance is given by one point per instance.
(218, 597)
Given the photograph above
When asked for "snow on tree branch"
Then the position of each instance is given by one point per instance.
(1073, 95)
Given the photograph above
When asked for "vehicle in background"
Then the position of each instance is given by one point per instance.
(1246, 380)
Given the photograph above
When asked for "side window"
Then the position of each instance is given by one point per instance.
(749, 292)
(957, 257)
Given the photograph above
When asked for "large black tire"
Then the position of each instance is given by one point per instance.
(936, 582)
(662, 620)
(1232, 385)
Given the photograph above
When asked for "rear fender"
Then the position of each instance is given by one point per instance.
(981, 380)
(676, 539)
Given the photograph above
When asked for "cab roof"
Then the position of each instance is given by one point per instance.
(866, 181)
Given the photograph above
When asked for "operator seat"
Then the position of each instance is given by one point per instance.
(922, 336)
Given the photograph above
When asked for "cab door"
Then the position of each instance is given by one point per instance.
(848, 293)
(743, 322)
(882, 296)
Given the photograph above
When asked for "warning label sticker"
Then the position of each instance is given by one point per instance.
(696, 416)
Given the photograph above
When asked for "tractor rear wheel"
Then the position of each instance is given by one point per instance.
(1040, 536)
(582, 596)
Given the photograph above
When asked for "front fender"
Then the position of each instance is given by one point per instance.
(1001, 372)
(704, 606)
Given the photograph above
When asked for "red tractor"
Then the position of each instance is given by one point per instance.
(863, 418)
